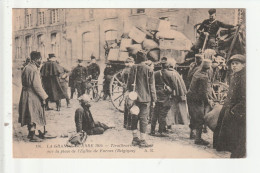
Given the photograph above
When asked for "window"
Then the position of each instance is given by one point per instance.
(53, 42)
(40, 45)
(18, 48)
(111, 35)
(41, 18)
(55, 16)
(28, 44)
(88, 45)
(137, 11)
(91, 13)
(28, 18)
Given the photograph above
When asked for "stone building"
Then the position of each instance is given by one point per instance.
(79, 33)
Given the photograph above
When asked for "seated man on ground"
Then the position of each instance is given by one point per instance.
(84, 120)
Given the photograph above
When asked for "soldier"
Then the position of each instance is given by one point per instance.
(108, 75)
(209, 27)
(79, 75)
(199, 100)
(50, 73)
(194, 66)
(93, 68)
(142, 77)
(32, 97)
(127, 116)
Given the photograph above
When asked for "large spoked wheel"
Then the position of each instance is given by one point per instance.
(117, 91)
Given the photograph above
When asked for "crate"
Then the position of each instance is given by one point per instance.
(125, 43)
(137, 35)
(113, 54)
(123, 56)
(157, 24)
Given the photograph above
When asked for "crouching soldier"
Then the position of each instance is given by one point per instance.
(84, 120)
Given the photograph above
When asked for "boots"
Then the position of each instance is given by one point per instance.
(68, 103)
(34, 138)
(192, 134)
(198, 139)
(152, 130)
(58, 105)
(47, 108)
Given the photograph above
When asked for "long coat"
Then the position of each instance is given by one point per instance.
(230, 133)
(50, 73)
(145, 83)
(30, 108)
(198, 97)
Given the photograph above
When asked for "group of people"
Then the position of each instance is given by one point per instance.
(46, 83)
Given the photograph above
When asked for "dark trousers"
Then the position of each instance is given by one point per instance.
(81, 88)
(142, 117)
(160, 114)
(127, 117)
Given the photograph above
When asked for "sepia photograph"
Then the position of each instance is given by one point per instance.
(129, 83)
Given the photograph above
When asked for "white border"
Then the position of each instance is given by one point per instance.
(132, 165)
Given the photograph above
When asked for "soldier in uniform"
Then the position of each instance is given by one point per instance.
(108, 75)
(209, 27)
(93, 68)
(79, 75)
(199, 100)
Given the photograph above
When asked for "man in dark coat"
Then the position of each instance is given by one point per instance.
(108, 75)
(142, 77)
(32, 97)
(93, 68)
(79, 76)
(50, 73)
(84, 120)
(230, 133)
(199, 100)
(209, 27)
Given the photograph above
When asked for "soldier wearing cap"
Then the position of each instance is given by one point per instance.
(125, 73)
(93, 68)
(198, 98)
(209, 27)
(79, 75)
(141, 78)
(230, 132)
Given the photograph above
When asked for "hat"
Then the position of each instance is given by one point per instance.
(84, 98)
(80, 60)
(129, 59)
(163, 60)
(237, 57)
(93, 57)
(212, 11)
(35, 55)
(206, 63)
(51, 55)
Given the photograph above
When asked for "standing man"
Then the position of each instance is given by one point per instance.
(230, 133)
(143, 77)
(209, 27)
(93, 68)
(50, 73)
(32, 97)
(194, 66)
(108, 75)
(198, 101)
(79, 75)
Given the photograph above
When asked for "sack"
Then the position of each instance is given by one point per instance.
(77, 139)
(211, 118)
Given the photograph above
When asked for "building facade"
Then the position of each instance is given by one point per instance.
(79, 33)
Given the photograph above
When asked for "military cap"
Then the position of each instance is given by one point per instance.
(51, 55)
(93, 57)
(206, 63)
(212, 11)
(80, 60)
(163, 60)
(237, 57)
(35, 55)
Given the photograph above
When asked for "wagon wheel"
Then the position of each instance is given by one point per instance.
(117, 91)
